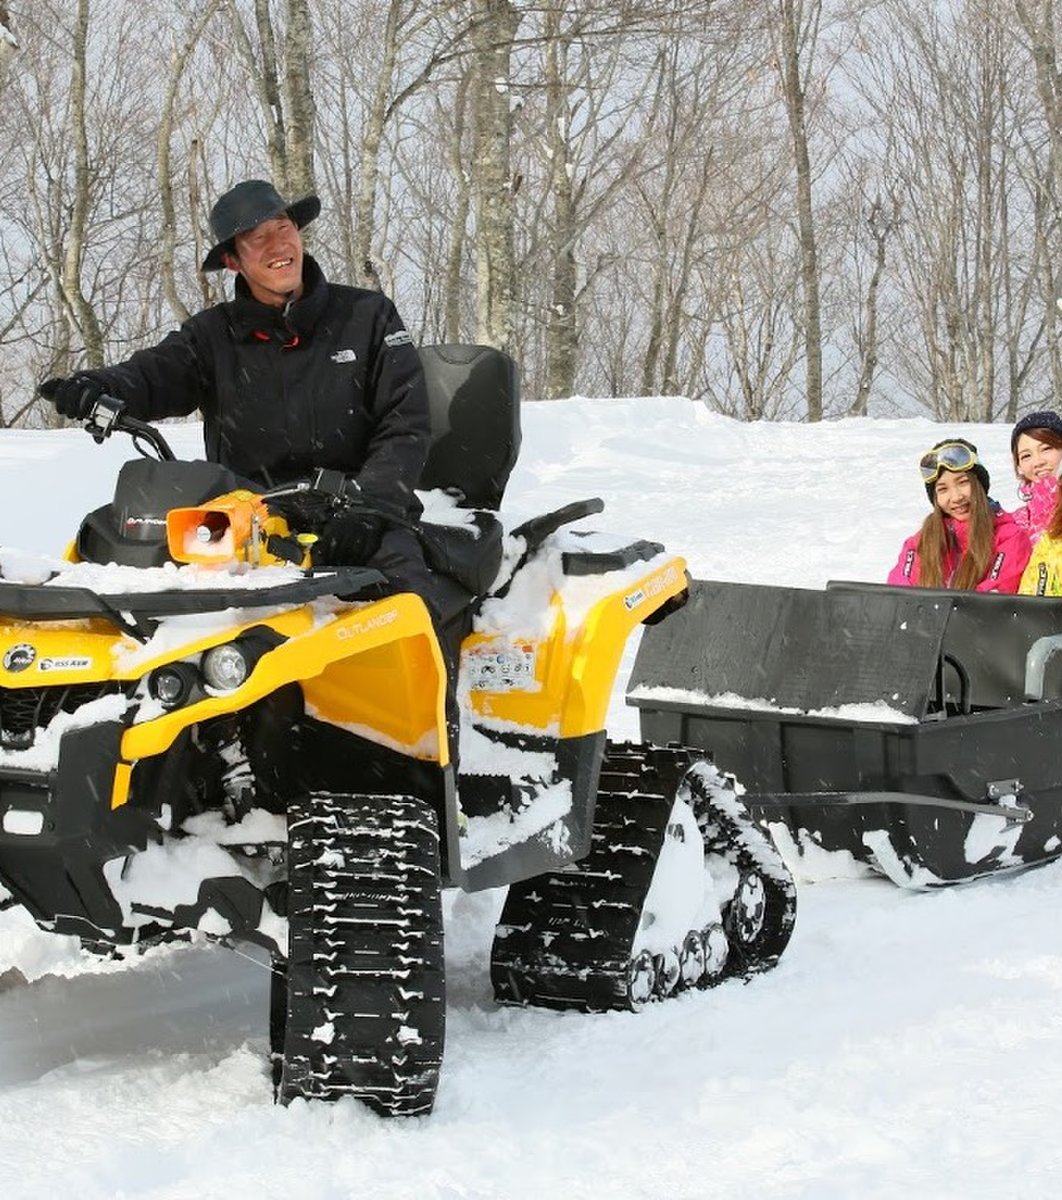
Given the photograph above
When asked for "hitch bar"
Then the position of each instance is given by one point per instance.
(1018, 813)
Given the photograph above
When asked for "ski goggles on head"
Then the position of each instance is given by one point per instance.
(952, 456)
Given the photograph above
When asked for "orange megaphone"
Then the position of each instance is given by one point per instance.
(233, 526)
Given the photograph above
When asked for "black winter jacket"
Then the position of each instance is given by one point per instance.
(332, 381)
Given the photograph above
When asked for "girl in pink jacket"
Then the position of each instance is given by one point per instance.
(966, 542)
(1036, 447)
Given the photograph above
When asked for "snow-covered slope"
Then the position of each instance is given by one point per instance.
(907, 1044)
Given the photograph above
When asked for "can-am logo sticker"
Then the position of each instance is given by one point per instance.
(70, 663)
(652, 588)
(19, 657)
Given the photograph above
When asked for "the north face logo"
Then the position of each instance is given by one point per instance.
(344, 356)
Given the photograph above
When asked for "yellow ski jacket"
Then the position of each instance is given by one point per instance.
(1043, 574)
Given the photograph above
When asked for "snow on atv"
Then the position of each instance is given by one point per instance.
(913, 729)
(199, 732)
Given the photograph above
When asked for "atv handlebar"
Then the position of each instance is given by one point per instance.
(333, 487)
(108, 414)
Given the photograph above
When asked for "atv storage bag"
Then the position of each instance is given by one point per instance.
(889, 723)
(132, 529)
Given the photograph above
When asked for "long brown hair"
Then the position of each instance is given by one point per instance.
(934, 542)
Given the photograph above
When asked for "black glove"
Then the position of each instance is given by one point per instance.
(74, 396)
(305, 512)
(348, 540)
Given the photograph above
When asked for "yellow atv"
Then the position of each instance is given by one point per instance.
(199, 733)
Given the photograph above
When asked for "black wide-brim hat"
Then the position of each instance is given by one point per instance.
(249, 204)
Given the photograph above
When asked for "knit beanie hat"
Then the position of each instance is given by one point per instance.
(1044, 419)
(976, 468)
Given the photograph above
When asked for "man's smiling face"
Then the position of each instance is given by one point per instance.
(269, 257)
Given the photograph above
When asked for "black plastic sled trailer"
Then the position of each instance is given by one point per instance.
(916, 729)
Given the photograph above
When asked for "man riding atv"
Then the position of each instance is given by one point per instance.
(294, 374)
(633, 872)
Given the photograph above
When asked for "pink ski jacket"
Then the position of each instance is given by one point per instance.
(1040, 499)
(1011, 549)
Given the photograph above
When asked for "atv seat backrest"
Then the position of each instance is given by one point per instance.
(474, 393)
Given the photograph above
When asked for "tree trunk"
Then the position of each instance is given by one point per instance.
(880, 224)
(372, 132)
(265, 78)
(300, 104)
(459, 226)
(562, 336)
(168, 246)
(195, 206)
(8, 44)
(1039, 27)
(793, 91)
(494, 26)
(269, 88)
(81, 310)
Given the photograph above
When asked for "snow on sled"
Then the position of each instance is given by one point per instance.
(202, 734)
(915, 729)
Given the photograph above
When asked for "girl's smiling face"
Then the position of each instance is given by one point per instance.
(952, 494)
(1036, 459)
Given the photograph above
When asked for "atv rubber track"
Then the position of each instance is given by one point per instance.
(365, 980)
(564, 939)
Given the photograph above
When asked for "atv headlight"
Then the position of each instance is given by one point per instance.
(171, 685)
(225, 668)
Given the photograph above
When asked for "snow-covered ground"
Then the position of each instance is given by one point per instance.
(908, 1044)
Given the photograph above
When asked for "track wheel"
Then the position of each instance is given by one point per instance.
(716, 954)
(693, 959)
(668, 972)
(641, 979)
(747, 910)
(759, 911)
(365, 990)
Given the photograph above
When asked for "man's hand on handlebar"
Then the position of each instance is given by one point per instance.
(74, 397)
(349, 539)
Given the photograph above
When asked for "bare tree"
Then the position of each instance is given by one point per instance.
(178, 63)
(795, 27)
(372, 133)
(494, 26)
(643, 196)
(880, 219)
(695, 193)
(287, 109)
(73, 259)
(8, 44)
(760, 343)
(298, 94)
(950, 98)
(458, 225)
(1037, 19)
(601, 80)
